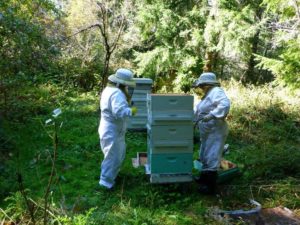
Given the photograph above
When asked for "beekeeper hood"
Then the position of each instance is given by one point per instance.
(122, 76)
(207, 78)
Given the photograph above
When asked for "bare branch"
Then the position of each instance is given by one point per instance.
(103, 29)
(288, 26)
(84, 29)
(115, 42)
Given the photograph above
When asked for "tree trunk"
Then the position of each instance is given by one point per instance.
(251, 75)
(210, 58)
(105, 71)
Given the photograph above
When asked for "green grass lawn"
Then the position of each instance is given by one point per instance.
(264, 142)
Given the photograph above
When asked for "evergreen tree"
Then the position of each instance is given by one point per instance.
(284, 23)
(172, 42)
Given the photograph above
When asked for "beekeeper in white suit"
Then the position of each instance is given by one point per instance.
(210, 116)
(114, 111)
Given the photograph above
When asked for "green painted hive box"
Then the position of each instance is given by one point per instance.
(171, 163)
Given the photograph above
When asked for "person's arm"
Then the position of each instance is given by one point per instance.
(119, 105)
(221, 103)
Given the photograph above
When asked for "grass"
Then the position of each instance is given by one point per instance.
(264, 142)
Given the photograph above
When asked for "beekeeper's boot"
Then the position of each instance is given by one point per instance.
(209, 184)
(202, 178)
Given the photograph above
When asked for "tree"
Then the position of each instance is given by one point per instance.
(82, 50)
(172, 37)
(285, 26)
(234, 32)
(112, 24)
(110, 20)
(27, 51)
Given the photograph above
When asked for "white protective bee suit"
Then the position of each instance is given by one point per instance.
(112, 128)
(213, 133)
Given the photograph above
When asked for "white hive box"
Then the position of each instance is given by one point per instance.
(139, 100)
(170, 109)
(170, 139)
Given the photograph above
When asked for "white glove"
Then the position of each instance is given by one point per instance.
(207, 118)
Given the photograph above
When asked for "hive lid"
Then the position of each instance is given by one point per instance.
(170, 95)
(143, 80)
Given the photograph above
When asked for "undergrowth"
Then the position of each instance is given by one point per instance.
(264, 142)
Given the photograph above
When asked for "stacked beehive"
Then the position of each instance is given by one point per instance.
(139, 100)
(170, 138)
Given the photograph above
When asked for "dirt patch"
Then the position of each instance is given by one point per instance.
(280, 216)
(270, 216)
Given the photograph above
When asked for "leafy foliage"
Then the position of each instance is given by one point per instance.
(26, 49)
(173, 34)
(286, 67)
(28, 53)
(285, 24)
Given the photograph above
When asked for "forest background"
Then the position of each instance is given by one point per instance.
(58, 54)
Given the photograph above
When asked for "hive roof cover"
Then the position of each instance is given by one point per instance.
(143, 80)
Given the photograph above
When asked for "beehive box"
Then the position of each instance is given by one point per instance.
(170, 109)
(170, 102)
(169, 147)
(172, 163)
(139, 100)
(170, 138)
(170, 132)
